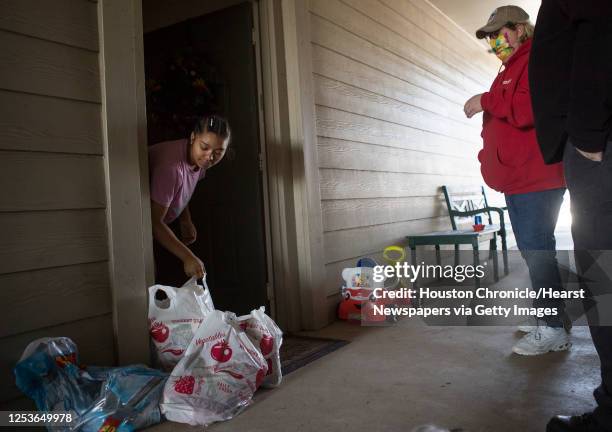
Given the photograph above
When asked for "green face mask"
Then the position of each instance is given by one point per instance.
(501, 47)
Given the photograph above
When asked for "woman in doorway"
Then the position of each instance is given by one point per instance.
(175, 169)
(511, 163)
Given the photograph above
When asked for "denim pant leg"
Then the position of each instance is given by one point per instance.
(534, 217)
(590, 186)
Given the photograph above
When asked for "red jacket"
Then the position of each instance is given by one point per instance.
(510, 160)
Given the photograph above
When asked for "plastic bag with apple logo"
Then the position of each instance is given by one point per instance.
(217, 376)
(174, 316)
(268, 337)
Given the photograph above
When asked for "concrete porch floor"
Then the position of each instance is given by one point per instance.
(397, 378)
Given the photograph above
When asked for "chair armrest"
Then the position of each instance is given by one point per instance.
(477, 211)
(498, 210)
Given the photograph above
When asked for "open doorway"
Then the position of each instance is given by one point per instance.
(200, 65)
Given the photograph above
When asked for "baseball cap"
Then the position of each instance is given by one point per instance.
(500, 17)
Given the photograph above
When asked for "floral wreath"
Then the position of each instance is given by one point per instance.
(189, 87)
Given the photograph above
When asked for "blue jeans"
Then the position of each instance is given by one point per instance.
(534, 217)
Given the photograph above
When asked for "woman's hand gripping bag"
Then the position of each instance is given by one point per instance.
(268, 337)
(174, 316)
(217, 376)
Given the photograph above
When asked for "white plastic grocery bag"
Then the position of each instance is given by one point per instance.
(174, 316)
(268, 337)
(217, 376)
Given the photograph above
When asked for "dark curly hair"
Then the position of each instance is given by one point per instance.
(215, 124)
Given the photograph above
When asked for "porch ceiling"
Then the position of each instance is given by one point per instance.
(472, 14)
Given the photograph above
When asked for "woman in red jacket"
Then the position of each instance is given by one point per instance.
(511, 163)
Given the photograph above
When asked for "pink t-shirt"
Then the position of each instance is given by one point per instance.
(172, 179)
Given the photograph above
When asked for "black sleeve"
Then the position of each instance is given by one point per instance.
(590, 106)
(570, 73)
(549, 77)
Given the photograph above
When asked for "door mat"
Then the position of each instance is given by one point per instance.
(298, 351)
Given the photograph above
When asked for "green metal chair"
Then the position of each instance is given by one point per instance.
(463, 203)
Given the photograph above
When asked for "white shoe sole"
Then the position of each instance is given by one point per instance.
(561, 347)
(567, 325)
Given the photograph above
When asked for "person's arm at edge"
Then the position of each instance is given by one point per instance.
(515, 109)
(188, 230)
(164, 235)
(549, 77)
(588, 121)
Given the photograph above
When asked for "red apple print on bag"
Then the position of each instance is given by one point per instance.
(184, 385)
(266, 344)
(221, 352)
(261, 374)
(160, 332)
(174, 351)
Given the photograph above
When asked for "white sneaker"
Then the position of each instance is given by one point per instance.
(527, 326)
(531, 324)
(542, 340)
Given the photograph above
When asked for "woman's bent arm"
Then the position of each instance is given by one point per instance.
(164, 235)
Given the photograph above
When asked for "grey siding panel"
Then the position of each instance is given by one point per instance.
(439, 27)
(344, 125)
(36, 240)
(37, 66)
(335, 94)
(335, 38)
(456, 58)
(71, 22)
(352, 19)
(360, 242)
(355, 213)
(93, 337)
(343, 154)
(349, 184)
(41, 123)
(390, 78)
(42, 181)
(54, 253)
(49, 297)
(333, 65)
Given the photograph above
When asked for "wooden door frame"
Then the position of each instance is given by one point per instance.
(127, 175)
(294, 201)
(293, 172)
